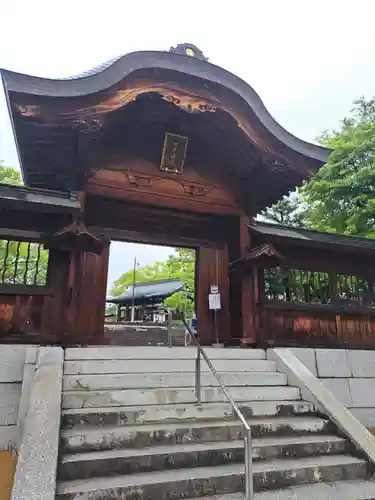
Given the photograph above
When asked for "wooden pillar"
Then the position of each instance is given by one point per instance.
(212, 269)
(89, 286)
(55, 307)
(242, 288)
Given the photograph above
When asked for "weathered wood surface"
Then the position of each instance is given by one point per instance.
(317, 326)
(212, 269)
(143, 182)
(35, 313)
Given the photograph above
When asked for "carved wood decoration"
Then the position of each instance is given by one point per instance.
(137, 180)
(76, 237)
(215, 128)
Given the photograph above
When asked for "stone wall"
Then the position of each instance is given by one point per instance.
(12, 360)
(348, 374)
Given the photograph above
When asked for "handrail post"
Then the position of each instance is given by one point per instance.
(169, 329)
(248, 465)
(198, 376)
(249, 486)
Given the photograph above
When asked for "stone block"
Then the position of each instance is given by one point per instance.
(142, 397)
(307, 357)
(313, 389)
(12, 358)
(332, 363)
(9, 403)
(171, 457)
(27, 383)
(365, 415)
(161, 353)
(37, 459)
(125, 415)
(362, 363)
(164, 366)
(340, 389)
(164, 380)
(31, 355)
(86, 439)
(362, 392)
(191, 482)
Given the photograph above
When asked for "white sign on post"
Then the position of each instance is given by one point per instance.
(214, 302)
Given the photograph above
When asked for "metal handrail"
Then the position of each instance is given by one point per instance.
(247, 427)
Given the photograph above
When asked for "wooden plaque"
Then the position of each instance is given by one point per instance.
(174, 153)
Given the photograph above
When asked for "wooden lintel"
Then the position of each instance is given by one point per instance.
(20, 289)
(19, 235)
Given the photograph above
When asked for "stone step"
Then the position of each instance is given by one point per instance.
(131, 397)
(158, 458)
(200, 481)
(146, 335)
(155, 352)
(137, 436)
(360, 489)
(91, 367)
(162, 380)
(128, 415)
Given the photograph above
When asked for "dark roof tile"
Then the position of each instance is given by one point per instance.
(305, 235)
(151, 291)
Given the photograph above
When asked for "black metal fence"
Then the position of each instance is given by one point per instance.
(317, 287)
(23, 263)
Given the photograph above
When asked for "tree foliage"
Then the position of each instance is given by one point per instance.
(181, 266)
(289, 211)
(9, 175)
(341, 196)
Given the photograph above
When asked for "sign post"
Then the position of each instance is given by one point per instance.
(214, 304)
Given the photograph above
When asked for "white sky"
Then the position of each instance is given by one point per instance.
(307, 60)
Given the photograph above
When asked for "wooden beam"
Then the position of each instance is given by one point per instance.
(20, 289)
(20, 235)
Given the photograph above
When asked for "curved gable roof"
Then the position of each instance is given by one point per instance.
(112, 72)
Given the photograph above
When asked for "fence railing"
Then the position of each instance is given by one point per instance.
(23, 287)
(198, 386)
(23, 263)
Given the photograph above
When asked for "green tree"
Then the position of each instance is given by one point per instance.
(341, 197)
(181, 266)
(9, 175)
(290, 211)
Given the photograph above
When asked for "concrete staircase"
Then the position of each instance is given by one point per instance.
(141, 334)
(131, 430)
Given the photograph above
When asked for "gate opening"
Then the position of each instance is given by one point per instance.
(145, 282)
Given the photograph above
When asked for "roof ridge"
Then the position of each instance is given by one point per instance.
(296, 228)
(166, 280)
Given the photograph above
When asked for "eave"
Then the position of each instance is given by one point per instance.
(45, 113)
(152, 60)
(37, 200)
(285, 236)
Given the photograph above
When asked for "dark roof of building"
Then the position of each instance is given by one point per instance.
(273, 232)
(109, 74)
(148, 292)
